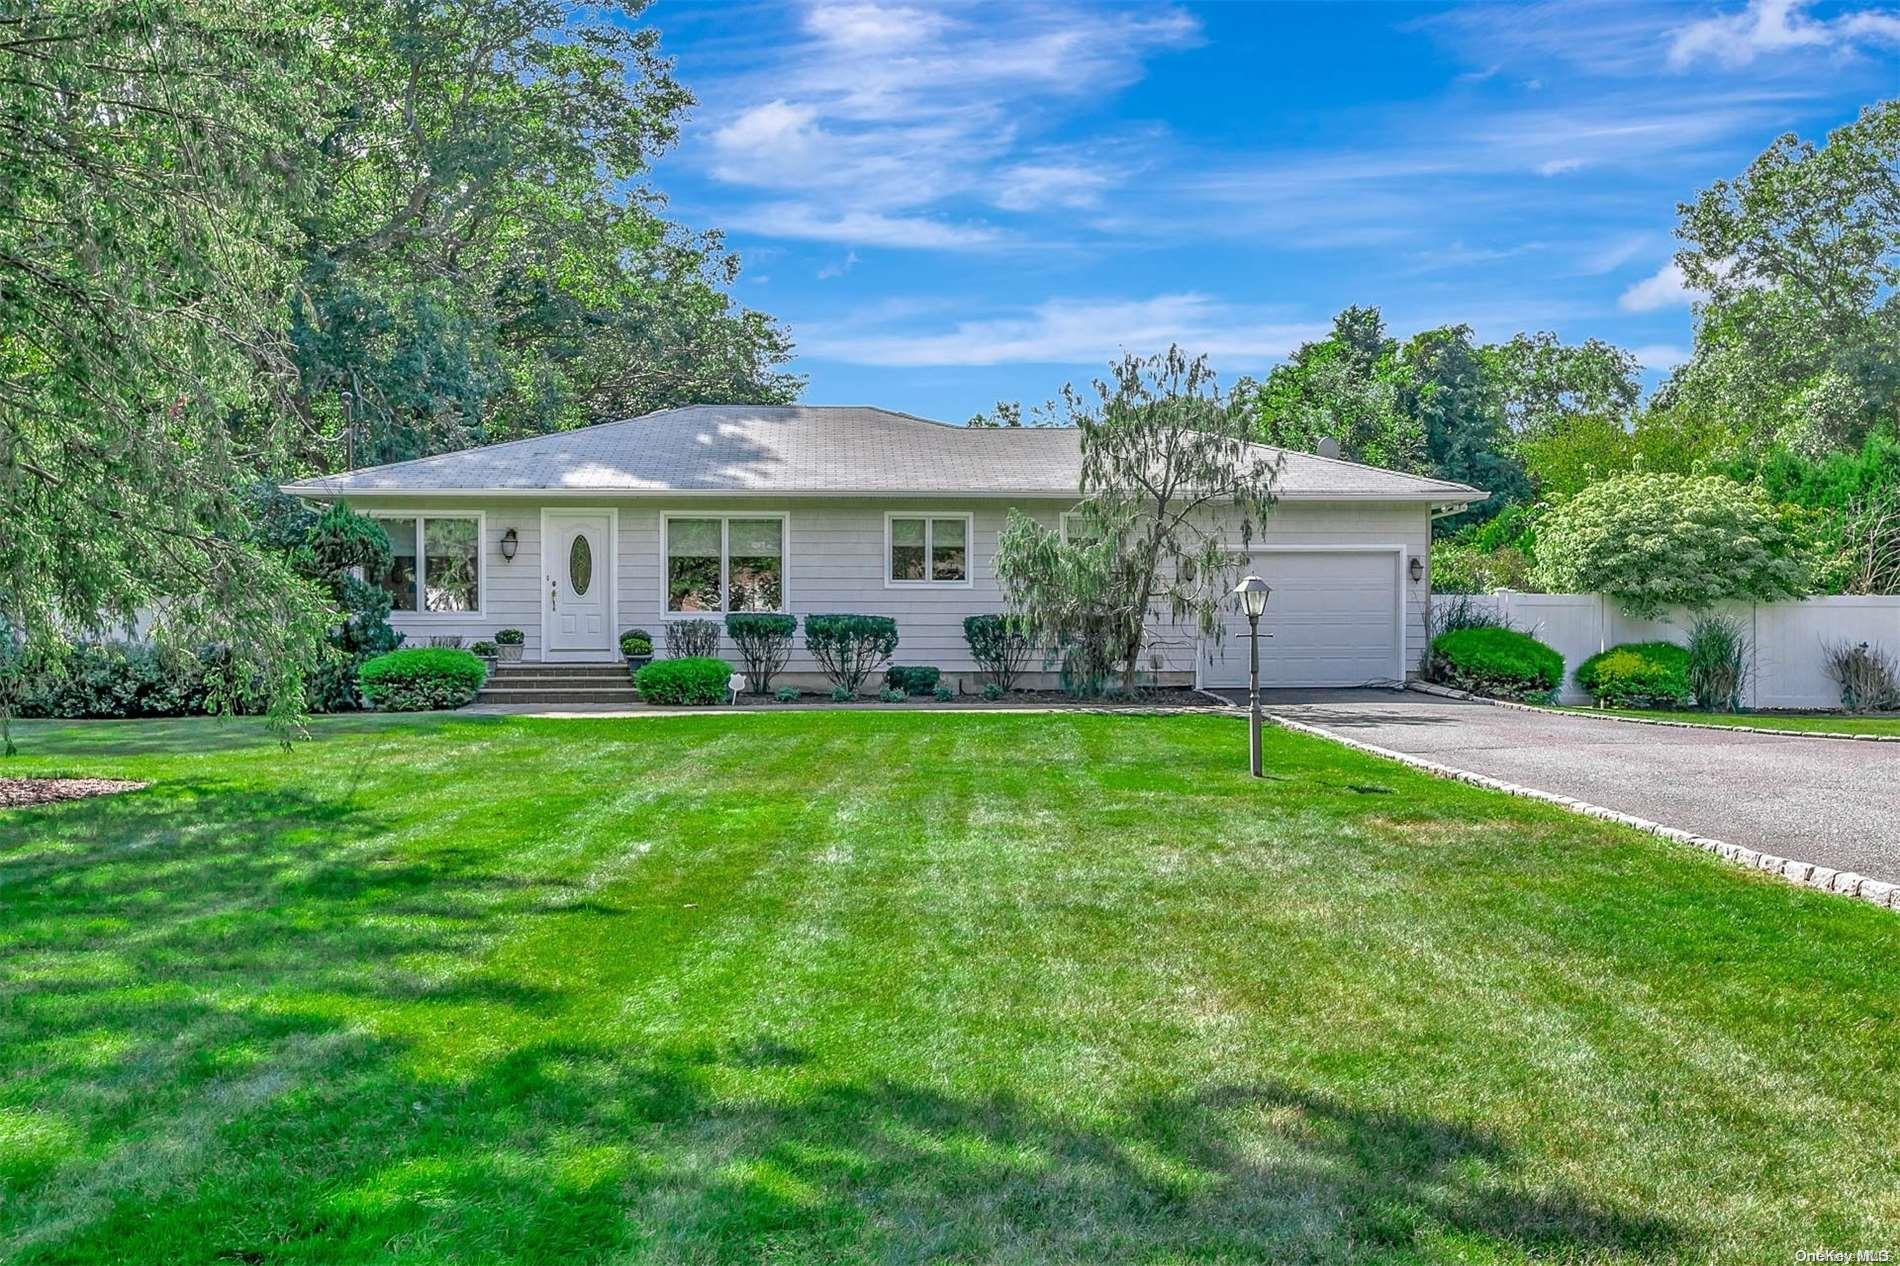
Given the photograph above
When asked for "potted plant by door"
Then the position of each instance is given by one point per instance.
(485, 651)
(637, 646)
(508, 645)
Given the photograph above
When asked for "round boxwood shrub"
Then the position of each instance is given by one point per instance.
(421, 679)
(695, 681)
(912, 679)
(1638, 675)
(1499, 662)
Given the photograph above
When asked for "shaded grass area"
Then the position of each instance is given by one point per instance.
(1829, 722)
(903, 987)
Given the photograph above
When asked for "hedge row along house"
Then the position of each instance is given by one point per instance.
(697, 511)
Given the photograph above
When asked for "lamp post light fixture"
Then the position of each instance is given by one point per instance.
(510, 541)
(1253, 593)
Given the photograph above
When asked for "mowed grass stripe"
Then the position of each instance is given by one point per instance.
(903, 987)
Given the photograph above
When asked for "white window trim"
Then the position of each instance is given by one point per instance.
(725, 518)
(422, 562)
(1062, 523)
(969, 548)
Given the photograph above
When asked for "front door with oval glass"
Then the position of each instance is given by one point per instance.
(576, 590)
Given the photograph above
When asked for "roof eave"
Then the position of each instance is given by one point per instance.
(309, 488)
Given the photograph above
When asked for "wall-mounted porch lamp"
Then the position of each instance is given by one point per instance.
(1253, 593)
(1417, 569)
(510, 542)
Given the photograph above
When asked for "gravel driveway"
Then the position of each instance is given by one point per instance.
(1833, 802)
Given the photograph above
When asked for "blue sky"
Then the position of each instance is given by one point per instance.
(952, 205)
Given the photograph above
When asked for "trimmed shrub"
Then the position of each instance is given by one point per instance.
(1638, 675)
(1718, 663)
(993, 692)
(998, 646)
(764, 642)
(912, 679)
(786, 694)
(1651, 541)
(1868, 676)
(849, 648)
(115, 679)
(840, 695)
(693, 681)
(636, 642)
(692, 639)
(888, 695)
(1500, 662)
(421, 679)
(943, 693)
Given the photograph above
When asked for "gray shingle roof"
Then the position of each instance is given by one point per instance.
(813, 450)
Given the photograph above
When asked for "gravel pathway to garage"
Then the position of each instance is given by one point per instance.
(1833, 802)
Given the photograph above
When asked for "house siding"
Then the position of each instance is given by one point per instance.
(835, 562)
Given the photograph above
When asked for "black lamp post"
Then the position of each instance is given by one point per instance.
(1253, 593)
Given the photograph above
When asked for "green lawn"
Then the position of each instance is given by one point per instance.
(837, 987)
(1832, 723)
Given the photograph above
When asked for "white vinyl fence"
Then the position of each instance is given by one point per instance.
(1786, 639)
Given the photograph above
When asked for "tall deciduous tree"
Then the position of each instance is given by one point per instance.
(1800, 259)
(481, 258)
(1656, 541)
(1345, 388)
(1173, 489)
(147, 181)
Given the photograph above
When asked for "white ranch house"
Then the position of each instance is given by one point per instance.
(688, 513)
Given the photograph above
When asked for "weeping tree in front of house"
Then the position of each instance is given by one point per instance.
(1173, 492)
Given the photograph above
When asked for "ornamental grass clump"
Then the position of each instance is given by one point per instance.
(1638, 675)
(1718, 663)
(1868, 676)
(1502, 663)
(422, 679)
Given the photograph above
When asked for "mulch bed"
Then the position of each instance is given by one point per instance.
(1158, 697)
(18, 793)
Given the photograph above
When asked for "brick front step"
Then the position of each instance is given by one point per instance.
(560, 670)
(555, 697)
(559, 681)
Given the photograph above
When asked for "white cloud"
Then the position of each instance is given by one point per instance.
(1559, 166)
(840, 268)
(1073, 332)
(863, 228)
(1032, 186)
(1660, 357)
(1666, 288)
(1767, 27)
(888, 108)
(873, 27)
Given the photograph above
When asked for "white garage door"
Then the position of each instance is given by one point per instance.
(1334, 620)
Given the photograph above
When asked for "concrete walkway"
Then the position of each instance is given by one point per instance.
(1832, 802)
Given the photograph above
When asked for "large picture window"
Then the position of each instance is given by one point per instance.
(725, 563)
(927, 549)
(435, 563)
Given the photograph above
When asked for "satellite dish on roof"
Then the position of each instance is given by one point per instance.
(1329, 447)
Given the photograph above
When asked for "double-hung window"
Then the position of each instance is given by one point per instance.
(927, 549)
(725, 563)
(435, 563)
